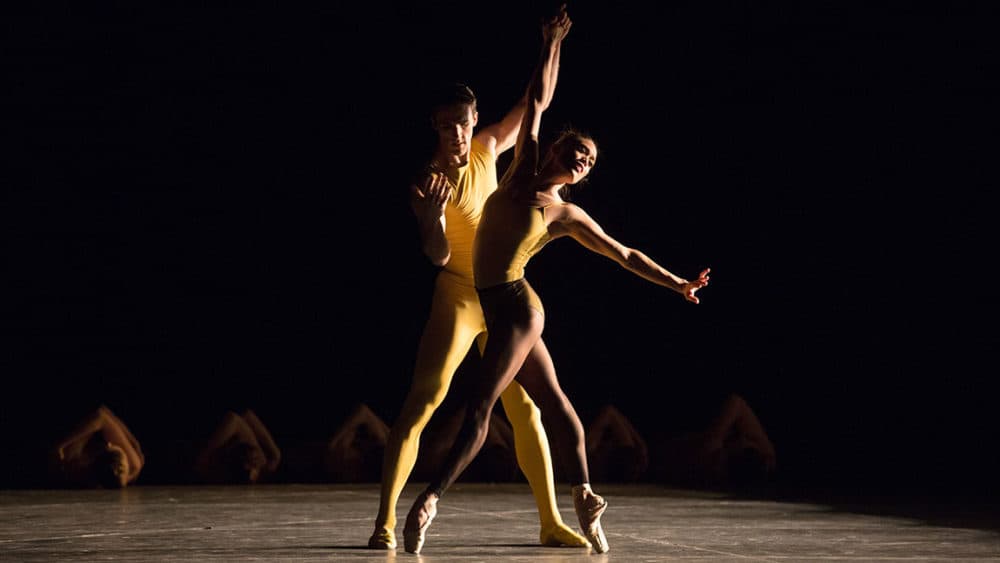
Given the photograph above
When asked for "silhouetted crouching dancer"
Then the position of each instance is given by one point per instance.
(100, 451)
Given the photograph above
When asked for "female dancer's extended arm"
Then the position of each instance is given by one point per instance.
(573, 221)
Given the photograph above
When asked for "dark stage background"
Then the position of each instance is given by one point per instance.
(205, 208)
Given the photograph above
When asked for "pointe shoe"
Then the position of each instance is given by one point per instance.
(561, 535)
(382, 539)
(589, 508)
(424, 510)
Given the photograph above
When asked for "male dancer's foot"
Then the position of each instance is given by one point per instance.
(589, 508)
(382, 538)
(561, 535)
(424, 510)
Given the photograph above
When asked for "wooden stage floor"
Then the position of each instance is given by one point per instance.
(478, 522)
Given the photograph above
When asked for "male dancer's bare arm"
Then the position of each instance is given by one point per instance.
(428, 201)
(500, 136)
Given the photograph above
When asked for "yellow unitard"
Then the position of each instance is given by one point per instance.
(455, 321)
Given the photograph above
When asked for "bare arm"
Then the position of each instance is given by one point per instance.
(428, 201)
(115, 432)
(541, 86)
(737, 416)
(730, 412)
(503, 135)
(125, 430)
(611, 425)
(575, 222)
(232, 427)
(264, 438)
(552, 65)
(361, 417)
(74, 441)
(500, 136)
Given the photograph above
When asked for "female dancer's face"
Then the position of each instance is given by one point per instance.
(577, 156)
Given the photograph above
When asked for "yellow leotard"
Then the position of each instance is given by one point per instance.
(510, 233)
(472, 184)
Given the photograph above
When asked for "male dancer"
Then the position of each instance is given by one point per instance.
(447, 203)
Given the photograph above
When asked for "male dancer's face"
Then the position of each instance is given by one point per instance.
(454, 125)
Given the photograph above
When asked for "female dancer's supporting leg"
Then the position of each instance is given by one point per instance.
(514, 349)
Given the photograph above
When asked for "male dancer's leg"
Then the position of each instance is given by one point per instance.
(535, 460)
(450, 330)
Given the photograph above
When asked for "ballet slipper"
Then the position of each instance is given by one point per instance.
(589, 508)
(382, 539)
(424, 510)
(561, 535)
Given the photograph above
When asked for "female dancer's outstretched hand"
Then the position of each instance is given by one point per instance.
(557, 26)
(689, 288)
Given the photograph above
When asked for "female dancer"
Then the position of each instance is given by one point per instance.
(447, 206)
(526, 212)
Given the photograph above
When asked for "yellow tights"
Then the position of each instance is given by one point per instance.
(456, 320)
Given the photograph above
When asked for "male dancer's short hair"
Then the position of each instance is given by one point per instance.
(451, 94)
